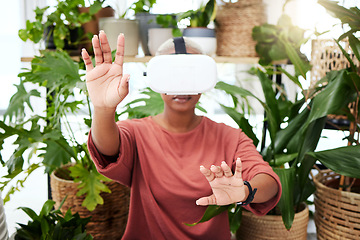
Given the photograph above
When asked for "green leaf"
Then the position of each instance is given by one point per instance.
(95, 7)
(281, 159)
(242, 122)
(47, 207)
(352, 65)
(291, 77)
(343, 160)
(348, 16)
(57, 153)
(91, 184)
(150, 105)
(271, 107)
(301, 66)
(211, 211)
(286, 203)
(31, 213)
(333, 97)
(18, 101)
(235, 219)
(311, 138)
(355, 45)
(45, 228)
(23, 34)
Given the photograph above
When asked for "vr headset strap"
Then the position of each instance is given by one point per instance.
(179, 44)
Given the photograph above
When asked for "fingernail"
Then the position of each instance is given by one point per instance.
(101, 31)
(223, 162)
(201, 166)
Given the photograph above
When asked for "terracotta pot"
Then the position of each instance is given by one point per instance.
(272, 227)
(92, 26)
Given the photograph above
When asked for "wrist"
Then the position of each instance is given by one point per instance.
(249, 194)
(104, 111)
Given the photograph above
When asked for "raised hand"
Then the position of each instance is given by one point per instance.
(106, 84)
(227, 187)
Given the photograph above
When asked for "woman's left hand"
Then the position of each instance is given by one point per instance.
(227, 187)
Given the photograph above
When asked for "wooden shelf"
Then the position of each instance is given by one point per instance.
(218, 59)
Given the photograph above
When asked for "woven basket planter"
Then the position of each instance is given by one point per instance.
(272, 227)
(108, 221)
(234, 23)
(326, 56)
(337, 213)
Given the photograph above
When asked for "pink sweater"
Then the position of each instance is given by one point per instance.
(162, 169)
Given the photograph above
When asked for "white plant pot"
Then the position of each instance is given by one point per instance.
(204, 37)
(207, 44)
(130, 28)
(158, 36)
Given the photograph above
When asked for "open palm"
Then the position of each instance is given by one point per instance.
(227, 187)
(106, 84)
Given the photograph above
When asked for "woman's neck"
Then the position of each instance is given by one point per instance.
(178, 121)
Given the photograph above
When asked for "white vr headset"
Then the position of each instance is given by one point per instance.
(181, 73)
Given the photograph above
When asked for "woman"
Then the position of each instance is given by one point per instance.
(176, 163)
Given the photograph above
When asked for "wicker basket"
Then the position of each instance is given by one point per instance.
(234, 23)
(108, 221)
(337, 213)
(272, 227)
(326, 56)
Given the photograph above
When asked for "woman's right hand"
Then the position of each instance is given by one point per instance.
(106, 84)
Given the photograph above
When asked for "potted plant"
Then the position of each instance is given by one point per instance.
(198, 29)
(59, 29)
(234, 23)
(97, 10)
(113, 26)
(338, 188)
(52, 224)
(292, 148)
(168, 29)
(52, 137)
(147, 20)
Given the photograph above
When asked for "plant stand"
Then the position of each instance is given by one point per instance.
(337, 213)
(108, 221)
(272, 227)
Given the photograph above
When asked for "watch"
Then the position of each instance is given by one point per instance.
(251, 195)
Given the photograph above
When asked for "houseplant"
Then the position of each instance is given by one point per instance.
(337, 194)
(53, 139)
(52, 224)
(60, 28)
(198, 30)
(292, 147)
(168, 29)
(113, 26)
(147, 20)
(97, 10)
(234, 23)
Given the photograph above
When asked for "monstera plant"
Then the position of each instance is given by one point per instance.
(50, 138)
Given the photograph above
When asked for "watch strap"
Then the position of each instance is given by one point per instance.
(251, 195)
